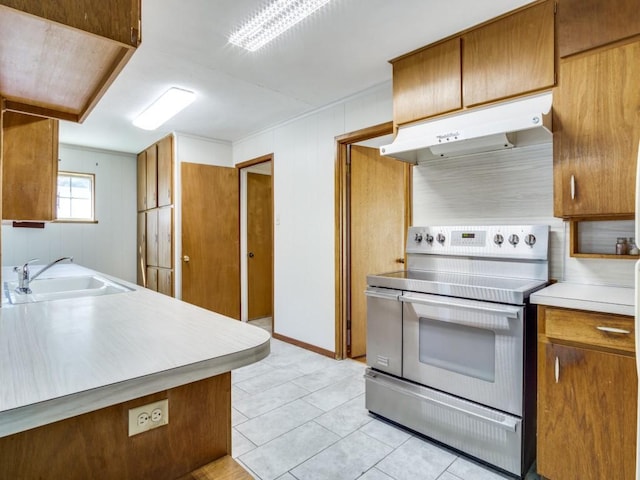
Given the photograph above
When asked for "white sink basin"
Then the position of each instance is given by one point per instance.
(64, 287)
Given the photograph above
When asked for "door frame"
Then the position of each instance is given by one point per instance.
(343, 143)
(240, 166)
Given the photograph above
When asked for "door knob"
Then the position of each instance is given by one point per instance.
(251, 255)
(186, 258)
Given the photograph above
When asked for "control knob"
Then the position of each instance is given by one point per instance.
(440, 237)
(429, 239)
(498, 239)
(530, 240)
(418, 237)
(514, 239)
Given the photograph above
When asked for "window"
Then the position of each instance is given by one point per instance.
(75, 198)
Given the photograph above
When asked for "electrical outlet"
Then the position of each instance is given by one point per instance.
(147, 417)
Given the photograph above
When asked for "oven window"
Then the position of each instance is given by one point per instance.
(462, 349)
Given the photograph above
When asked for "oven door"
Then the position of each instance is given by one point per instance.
(467, 348)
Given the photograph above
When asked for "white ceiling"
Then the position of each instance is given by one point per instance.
(341, 50)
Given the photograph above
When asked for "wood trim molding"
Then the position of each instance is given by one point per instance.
(269, 157)
(254, 161)
(340, 222)
(306, 346)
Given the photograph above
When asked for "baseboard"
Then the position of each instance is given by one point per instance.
(306, 346)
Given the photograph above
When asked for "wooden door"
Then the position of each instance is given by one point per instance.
(152, 237)
(511, 56)
(259, 246)
(165, 171)
(587, 418)
(211, 238)
(141, 253)
(152, 176)
(378, 228)
(596, 129)
(142, 181)
(165, 237)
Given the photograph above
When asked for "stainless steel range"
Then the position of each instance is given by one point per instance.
(451, 341)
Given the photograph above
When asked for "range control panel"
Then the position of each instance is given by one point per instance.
(501, 241)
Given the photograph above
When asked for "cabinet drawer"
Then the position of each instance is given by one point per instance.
(590, 328)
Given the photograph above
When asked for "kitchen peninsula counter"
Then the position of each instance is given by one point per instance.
(595, 298)
(63, 358)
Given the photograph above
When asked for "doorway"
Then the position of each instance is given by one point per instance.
(256, 241)
(373, 212)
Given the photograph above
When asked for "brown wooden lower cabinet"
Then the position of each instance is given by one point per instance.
(587, 401)
(160, 280)
(97, 444)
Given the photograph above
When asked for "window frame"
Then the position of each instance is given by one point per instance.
(92, 178)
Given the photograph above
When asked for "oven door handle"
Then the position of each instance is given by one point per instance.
(508, 311)
(382, 295)
(506, 423)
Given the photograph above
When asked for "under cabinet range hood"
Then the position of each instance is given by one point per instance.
(526, 121)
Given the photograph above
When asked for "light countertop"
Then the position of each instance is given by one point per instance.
(596, 298)
(63, 358)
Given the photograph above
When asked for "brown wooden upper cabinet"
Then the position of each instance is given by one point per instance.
(587, 24)
(508, 57)
(142, 181)
(30, 167)
(427, 82)
(512, 56)
(155, 175)
(151, 176)
(165, 171)
(59, 58)
(596, 131)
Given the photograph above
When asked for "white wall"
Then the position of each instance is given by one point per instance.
(108, 246)
(192, 149)
(507, 187)
(303, 173)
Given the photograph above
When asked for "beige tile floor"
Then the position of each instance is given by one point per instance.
(298, 415)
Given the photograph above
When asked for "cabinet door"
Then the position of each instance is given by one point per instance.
(587, 416)
(165, 281)
(509, 57)
(165, 237)
(586, 24)
(152, 176)
(152, 278)
(152, 237)
(142, 181)
(427, 82)
(29, 167)
(597, 125)
(165, 171)
(141, 249)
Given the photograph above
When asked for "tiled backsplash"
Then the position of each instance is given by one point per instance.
(512, 187)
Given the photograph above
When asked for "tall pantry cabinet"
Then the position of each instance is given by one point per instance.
(155, 217)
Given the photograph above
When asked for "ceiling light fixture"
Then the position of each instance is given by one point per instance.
(166, 106)
(274, 19)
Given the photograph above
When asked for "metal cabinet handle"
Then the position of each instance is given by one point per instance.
(383, 296)
(251, 255)
(573, 187)
(186, 258)
(557, 370)
(613, 330)
(399, 260)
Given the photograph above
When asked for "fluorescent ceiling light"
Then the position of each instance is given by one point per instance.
(274, 19)
(166, 106)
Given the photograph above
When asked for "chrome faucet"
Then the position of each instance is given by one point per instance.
(23, 274)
